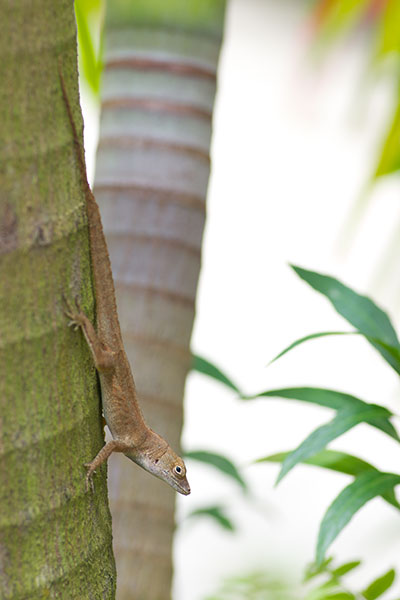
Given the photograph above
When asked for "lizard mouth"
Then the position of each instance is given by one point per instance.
(184, 488)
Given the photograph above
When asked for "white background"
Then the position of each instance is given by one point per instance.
(294, 144)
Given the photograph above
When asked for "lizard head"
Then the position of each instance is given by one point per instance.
(160, 460)
(170, 468)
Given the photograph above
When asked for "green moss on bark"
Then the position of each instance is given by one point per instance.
(55, 540)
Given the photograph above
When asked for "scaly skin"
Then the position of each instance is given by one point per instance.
(120, 403)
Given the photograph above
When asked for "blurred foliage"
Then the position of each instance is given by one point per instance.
(224, 465)
(331, 19)
(204, 366)
(89, 19)
(220, 462)
(370, 321)
(324, 582)
(254, 586)
(217, 514)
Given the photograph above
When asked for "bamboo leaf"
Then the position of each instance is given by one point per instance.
(216, 513)
(311, 336)
(345, 568)
(390, 349)
(379, 586)
(360, 311)
(319, 438)
(330, 399)
(339, 462)
(312, 570)
(204, 366)
(328, 459)
(321, 396)
(365, 487)
(220, 462)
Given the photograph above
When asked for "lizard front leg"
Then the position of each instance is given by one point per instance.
(102, 456)
(103, 357)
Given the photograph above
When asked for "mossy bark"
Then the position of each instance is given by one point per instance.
(151, 180)
(55, 540)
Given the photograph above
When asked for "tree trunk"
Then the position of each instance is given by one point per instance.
(151, 179)
(55, 540)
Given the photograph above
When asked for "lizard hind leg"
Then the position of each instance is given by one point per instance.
(103, 357)
(102, 456)
(70, 313)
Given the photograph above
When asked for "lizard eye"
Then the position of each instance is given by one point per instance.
(178, 470)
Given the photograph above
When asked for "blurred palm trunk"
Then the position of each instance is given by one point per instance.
(151, 180)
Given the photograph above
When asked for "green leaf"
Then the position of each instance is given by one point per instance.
(216, 513)
(321, 396)
(390, 349)
(389, 160)
(345, 568)
(365, 487)
(330, 399)
(312, 570)
(319, 438)
(91, 65)
(329, 590)
(379, 586)
(204, 366)
(339, 462)
(340, 596)
(219, 462)
(254, 586)
(328, 459)
(360, 311)
(389, 30)
(312, 336)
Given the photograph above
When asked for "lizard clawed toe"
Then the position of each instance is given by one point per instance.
(66, 302)
(89, 477)
(75, 318)
(68, 311)
(71, 313)
(78, 304)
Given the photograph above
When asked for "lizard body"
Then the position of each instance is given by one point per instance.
(122, 412)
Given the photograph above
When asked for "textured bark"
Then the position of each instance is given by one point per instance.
(55, 540)
(151, 179)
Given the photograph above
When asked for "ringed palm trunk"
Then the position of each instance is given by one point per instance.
(55, 540)
(151, 179)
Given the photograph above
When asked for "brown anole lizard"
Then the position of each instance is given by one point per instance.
(121, 409)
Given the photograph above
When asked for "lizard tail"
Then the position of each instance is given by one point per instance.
(106, 309)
